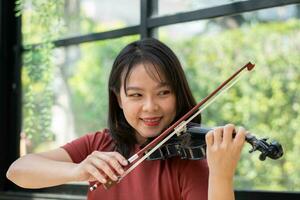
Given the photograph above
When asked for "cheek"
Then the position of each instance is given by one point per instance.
(170, 106)
(130, 109)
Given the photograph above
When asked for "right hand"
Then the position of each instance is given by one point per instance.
(99, 166)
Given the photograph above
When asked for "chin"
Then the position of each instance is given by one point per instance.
(152, 134)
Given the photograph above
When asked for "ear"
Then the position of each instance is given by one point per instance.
(119, 100)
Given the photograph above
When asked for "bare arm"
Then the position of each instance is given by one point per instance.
(56, 167)
(42, 170)
(223, 154)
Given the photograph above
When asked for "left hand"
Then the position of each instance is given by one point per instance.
(223, 150)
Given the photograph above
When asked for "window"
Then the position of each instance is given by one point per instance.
(266, 100)
(64, 82)
(75, 18)
(68, 99)
(168, 7)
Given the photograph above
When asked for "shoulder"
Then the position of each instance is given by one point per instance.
(95, 136)
(81, 147)
(101, 140)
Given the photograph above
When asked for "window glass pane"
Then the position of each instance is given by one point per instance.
(66, 97)
(265, 101)
(169, 7)
(68, 18)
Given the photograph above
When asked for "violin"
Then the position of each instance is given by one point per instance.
(182, 138)
(190, 144)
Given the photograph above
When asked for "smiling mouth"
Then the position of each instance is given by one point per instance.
(153, 121)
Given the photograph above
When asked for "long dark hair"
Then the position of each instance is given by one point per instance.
(164, 61)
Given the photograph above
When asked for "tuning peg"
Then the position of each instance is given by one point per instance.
(254, 148)
(262, 156)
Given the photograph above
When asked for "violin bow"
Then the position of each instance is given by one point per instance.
(178, 126)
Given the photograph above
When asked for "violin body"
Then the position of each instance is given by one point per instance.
(187, 140)
(191, 145)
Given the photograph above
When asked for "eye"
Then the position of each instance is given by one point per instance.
(164, 92)
(134, 95)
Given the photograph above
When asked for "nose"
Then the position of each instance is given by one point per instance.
(150, 105)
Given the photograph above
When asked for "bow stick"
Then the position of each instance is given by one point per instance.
(178, 126)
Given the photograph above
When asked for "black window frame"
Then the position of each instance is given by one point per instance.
(11, 88)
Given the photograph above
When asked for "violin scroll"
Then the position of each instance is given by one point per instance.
(272, 150)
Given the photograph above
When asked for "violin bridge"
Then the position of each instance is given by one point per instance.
(181, 128)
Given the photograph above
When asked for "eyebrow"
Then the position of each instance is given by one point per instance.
(163, 84)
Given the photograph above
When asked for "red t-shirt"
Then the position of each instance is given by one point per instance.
(169, 179)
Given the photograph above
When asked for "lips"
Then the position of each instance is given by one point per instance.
(151, 121)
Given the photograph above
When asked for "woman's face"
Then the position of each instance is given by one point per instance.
(150, 105)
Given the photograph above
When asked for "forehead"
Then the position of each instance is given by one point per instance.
(140, 71)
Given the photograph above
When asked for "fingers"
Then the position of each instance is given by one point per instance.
(105, 168)
(223, 150)
(218, 132)
(226, 135)
(219, 136)
(229, 130)
(106, 164)
(112, 161)
(239, 139)
(94, 171)
(209, 138)
(119, 157)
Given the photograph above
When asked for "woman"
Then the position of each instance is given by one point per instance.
(148, 91)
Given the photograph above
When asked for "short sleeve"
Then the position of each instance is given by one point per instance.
(80, 148)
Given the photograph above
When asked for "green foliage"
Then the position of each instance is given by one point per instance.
(39, 25)
(265, 101)
(19, 7)
(42, 21)
(38, 96)
(89, 83)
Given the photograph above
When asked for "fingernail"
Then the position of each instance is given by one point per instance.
(103, 180)
(124, 162)
(115, 177)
